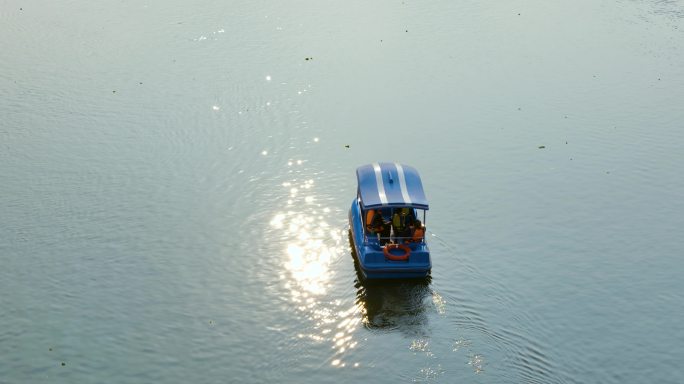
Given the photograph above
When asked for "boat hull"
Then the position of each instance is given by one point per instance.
(372, 261)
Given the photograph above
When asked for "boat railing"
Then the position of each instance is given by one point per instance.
(375, 239)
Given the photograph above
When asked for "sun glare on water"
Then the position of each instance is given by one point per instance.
(311, 246)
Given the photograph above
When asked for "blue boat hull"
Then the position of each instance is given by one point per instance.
(372, 261)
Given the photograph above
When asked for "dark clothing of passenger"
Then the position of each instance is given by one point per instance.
(377, 225)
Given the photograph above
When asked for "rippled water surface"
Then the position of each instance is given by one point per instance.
(175, 180)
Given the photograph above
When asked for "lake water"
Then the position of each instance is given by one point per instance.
(175, 180)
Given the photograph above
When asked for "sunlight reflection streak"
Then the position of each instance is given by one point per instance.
(311, 246)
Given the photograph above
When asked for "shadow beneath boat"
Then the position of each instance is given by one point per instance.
(393, 304)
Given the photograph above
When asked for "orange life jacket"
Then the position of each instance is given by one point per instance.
(418, 234)
(369, 217)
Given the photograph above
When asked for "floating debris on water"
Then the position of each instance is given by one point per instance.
(346, 146)
(542, 146)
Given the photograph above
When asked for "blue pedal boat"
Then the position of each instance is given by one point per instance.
(397, 249)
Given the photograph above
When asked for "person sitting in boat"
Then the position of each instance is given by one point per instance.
(374, 222)
(418, 232)
(400, 222)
